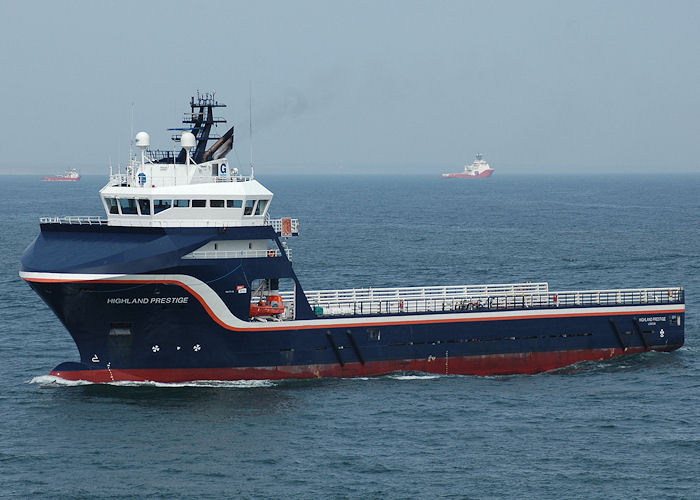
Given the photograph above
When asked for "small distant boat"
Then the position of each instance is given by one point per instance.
(478, 168)
(69, 175)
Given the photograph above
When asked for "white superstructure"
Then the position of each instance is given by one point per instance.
(190, 194)
(477, 167)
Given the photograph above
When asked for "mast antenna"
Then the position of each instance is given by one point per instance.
(131, 131)
(250, 123)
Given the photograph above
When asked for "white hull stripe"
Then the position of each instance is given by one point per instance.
(216, 308)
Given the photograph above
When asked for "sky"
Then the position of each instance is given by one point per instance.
(361, 86)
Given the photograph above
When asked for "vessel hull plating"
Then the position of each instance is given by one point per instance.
(482, 365)
(177, 340)
(138, 310)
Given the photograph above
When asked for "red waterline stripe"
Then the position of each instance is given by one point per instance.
(492, 364)
(347, 325)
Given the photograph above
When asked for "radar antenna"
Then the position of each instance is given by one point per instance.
(131, 131)
(250, 123)
(199, 121)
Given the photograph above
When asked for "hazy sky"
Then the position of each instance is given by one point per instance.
(343, 86)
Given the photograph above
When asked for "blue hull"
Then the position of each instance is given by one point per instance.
(152, 326)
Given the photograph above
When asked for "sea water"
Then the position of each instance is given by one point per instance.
(624, 428)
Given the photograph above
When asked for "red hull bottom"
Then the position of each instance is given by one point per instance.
(494, 364)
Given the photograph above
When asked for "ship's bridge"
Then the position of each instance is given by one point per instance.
(185, 195)
(189, 194)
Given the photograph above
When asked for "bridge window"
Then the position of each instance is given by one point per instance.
(199, 203)
(249, 204)
(216, 203)
(112, 205)
(160, 205)
(128, 206)
(260, 209)
(234, 203)
(181, 203)
(144, 206)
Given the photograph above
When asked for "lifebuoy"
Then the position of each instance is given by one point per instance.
(271, 253)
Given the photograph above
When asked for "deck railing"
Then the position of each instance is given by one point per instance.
(165, 180)
(475, 298)
(235, 254)
(75, 219)
(277, 225)
(147, 221)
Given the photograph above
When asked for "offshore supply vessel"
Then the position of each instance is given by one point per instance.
(189, 278)
(476, 169)
(70, 175)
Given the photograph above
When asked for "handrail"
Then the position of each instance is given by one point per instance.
(230, 178)
(148, 221)
(441, 292)
(75, 219)
(497, 297)
(130, 180)
(235, 254)
(277, 225)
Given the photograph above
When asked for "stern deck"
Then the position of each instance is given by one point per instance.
(497, 297)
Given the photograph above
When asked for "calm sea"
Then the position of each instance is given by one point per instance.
(626, 428)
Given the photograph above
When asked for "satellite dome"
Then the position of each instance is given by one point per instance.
(187, 140)
(143, 140)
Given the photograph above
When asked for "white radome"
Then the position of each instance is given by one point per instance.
(187, 140)
(143, 140)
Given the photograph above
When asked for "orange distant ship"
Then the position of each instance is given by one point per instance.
(69, 175)
(478, 168)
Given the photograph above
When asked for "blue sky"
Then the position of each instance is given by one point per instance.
(359, 86)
